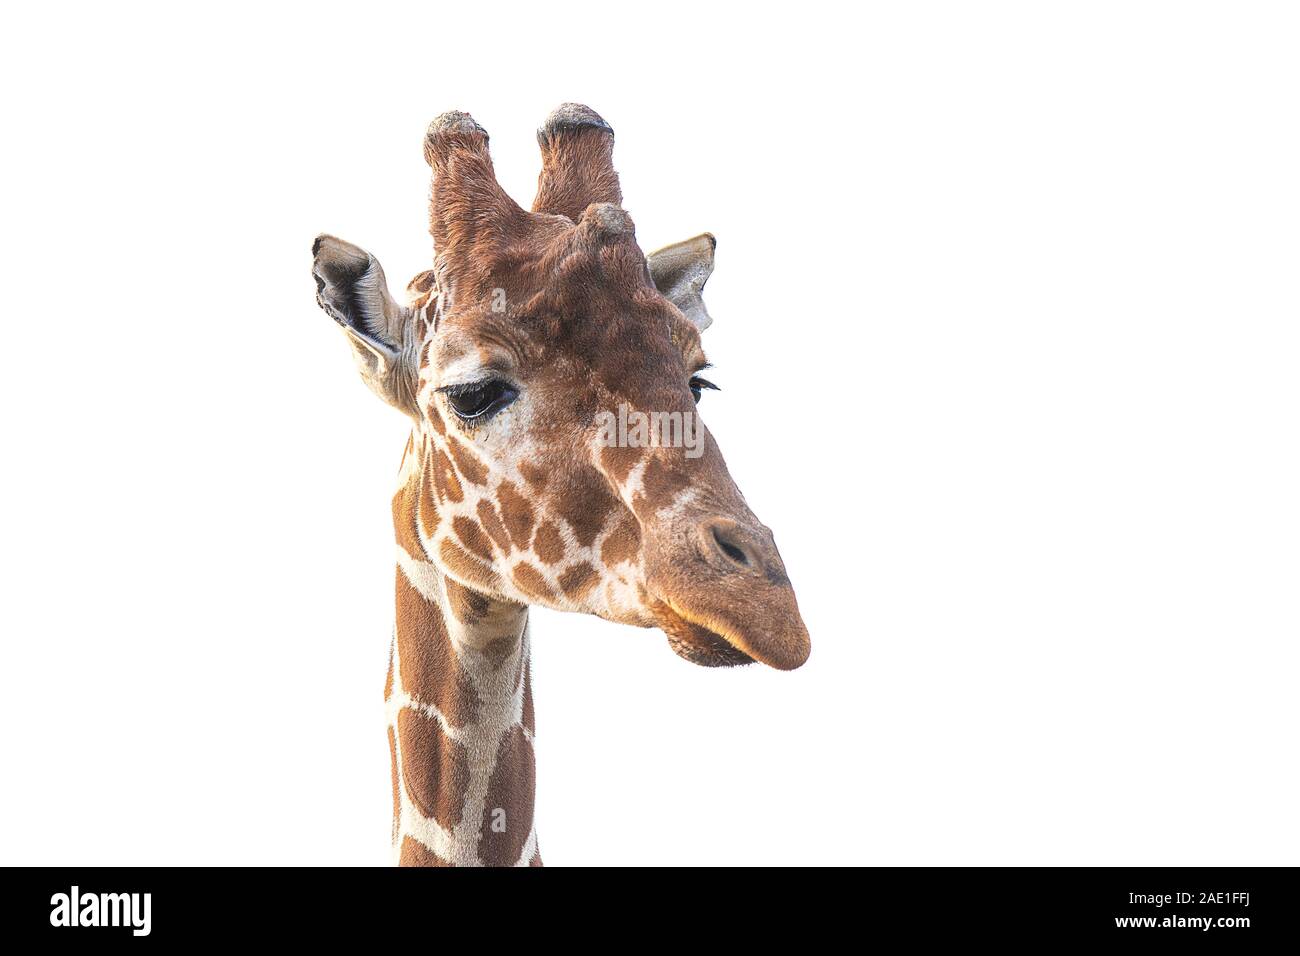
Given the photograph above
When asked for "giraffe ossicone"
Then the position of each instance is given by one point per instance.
(509, 356)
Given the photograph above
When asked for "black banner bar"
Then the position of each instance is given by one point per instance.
(1231, 907)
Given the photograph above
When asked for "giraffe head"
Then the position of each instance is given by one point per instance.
(552, 371)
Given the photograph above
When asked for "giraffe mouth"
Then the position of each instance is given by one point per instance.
(697, 643)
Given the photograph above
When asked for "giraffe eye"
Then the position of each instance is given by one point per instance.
(698, 385)
(479, 401)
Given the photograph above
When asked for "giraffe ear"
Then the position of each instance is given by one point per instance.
(679, 272)
(351, 288)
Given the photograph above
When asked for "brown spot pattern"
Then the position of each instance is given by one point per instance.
(623, 543)
(428, 509)
(618, 462)
(587, 505)
(397, 797)
(529, 718)
(435, 768)
(464, 565)
(510, 790)
(660, 483)
(578, 580)
(431, 672)
(444, 478)
(487, 514)
(467, 463)
(435, 419)
(547, 543)
(531, 582)
(388, 681)
(467, 606)
(472, 536)
(516, 513)
(404, 522)
(415, 853)
(535, 475)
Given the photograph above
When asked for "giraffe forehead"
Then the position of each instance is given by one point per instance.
(464, 344)
(625, 341)
(586, 306)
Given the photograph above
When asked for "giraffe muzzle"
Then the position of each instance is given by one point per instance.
(723, 597)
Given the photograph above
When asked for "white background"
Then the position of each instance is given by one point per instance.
(1006, 325)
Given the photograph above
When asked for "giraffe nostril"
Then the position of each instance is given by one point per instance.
(728, 541)
(730, 550)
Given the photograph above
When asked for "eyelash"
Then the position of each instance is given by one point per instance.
(698, 386)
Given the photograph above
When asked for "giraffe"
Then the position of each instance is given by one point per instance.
(529, 326)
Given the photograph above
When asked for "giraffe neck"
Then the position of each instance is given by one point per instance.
(460, 712)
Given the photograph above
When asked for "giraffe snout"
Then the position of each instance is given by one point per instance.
(724, 596)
